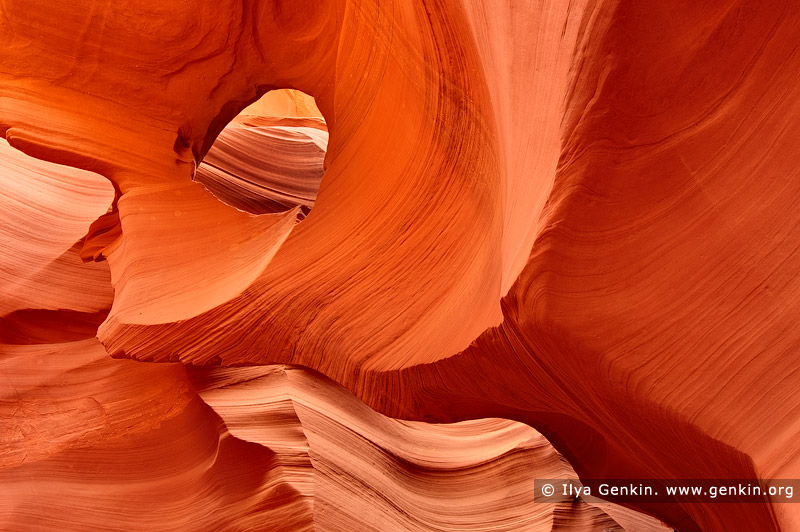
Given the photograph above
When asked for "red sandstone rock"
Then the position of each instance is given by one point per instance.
(576, 215)
(267, 165)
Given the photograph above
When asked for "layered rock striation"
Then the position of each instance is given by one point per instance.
(578, 216)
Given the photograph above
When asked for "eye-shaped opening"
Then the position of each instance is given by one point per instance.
(270, 157)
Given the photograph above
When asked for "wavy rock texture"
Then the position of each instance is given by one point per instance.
(292, 451)
(46, 210)
(576, 215)
(87, 442)
(371, 472)
(268, 165)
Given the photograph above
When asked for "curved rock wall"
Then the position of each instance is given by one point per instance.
(579, 216)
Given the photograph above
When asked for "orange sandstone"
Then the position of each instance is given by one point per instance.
(579, 216)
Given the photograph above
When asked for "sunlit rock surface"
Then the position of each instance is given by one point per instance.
(580, 216)
(93, 443)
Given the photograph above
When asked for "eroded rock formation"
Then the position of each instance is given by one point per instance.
(93, 443)
(578, 216)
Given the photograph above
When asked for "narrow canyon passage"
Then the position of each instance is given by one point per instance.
(382, 265)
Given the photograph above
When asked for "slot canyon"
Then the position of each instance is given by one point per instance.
(385, 265)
